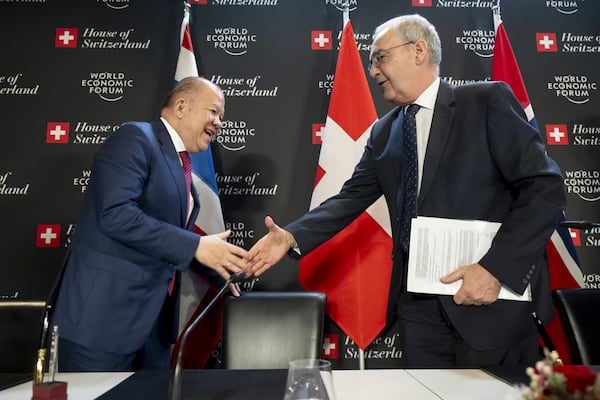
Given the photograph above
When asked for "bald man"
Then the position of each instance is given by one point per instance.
(116, 299)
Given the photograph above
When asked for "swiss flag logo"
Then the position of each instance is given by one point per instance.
(317, 133)
(576, 236)
(48, 235)
(57, 132)
(422, 3)
(321, 40)
(331, 346)
(198, 2)
(546, 42)
(66, 38)
(557, 134)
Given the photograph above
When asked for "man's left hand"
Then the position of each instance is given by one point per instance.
(479, 287)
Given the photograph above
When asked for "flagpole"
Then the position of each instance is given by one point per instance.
(186, 10)
(497, 15)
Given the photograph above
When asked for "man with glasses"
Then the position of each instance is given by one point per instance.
(116, 300)
(476, 158)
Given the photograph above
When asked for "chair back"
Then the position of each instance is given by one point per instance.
(577, 311)
(266, 330)
(20, 333)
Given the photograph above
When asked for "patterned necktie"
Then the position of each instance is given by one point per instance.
(186, 162)
(187, 172)
(410, 168)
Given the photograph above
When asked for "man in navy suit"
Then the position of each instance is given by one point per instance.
(478, 159)
(117, 297)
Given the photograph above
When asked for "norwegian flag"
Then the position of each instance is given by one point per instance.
(562, 258)
(354, 267)
(195, 291)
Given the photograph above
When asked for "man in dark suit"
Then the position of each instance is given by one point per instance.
(116, 299)
(478, 159)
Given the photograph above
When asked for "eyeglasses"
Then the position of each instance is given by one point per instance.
(378, 56)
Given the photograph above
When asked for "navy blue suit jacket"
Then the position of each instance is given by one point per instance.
(131, 234)
(483, 161)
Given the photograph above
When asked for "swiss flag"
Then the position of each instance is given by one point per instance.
(57, 132)
(66, 38)
(422, 3)
(48, 235)
(321, 40)
(317, 133)
(575, 236)
(354, 267)
(557, 134)
(331, 346)
(546, 42)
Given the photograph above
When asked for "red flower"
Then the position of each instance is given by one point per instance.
(578, 377)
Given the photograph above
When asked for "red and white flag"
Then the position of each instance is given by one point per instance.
(196, 292)
(354, 267)
(562, 258)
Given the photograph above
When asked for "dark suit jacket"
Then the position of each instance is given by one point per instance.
(483, 161)
(131, 234)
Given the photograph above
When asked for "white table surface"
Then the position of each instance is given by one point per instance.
(463, 384)
(373, 384)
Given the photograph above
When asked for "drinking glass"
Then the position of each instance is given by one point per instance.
(309, 379)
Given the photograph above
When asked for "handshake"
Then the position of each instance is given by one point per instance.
(225, 258)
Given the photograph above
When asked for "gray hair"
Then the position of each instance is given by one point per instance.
(412, 28)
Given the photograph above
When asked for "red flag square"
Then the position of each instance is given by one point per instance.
(575, 236)
(48, 235)
(317, 133)
(331, 346)
(66, 37)
(57, 132)
(321, 40)
(546, 42)
(422, 3)
(557, 134)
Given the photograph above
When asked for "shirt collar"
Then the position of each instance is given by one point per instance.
(427, 98)
(177, 142)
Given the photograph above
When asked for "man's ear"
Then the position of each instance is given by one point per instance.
(421, 51)
(179, 107)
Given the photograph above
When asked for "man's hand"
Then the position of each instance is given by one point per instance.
(235, 290)
(215, 252)
(479, 287)
(270, 248)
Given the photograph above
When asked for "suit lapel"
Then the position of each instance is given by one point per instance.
(196, 208)
(174, 165)
(443, 115)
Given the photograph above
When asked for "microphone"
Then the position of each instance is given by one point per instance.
(38, 372)
(176, 377)
(580, 224)
(546, 339)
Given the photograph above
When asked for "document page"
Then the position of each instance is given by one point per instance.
(438, 246)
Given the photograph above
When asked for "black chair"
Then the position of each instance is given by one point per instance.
(266, 330)
(20, 335)
(577, 311)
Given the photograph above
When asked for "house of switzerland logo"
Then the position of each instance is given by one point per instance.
(7, 189)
